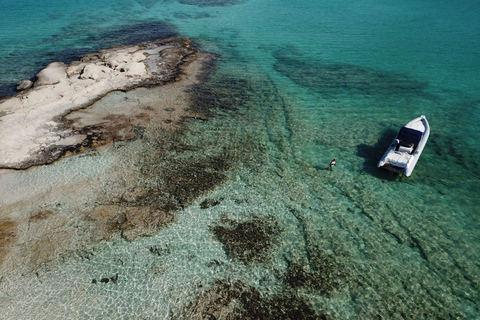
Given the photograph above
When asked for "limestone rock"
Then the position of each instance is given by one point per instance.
(53, 74)
(24, 85)
(33, 130)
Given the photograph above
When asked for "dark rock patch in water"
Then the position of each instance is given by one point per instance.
(208, 203)
(240, 301)
(8, 235)
(187, 183)
(160, 251)
(113, 128)
(183, 15)
(171, 176)
(213, 3)
(112, 279)
(148, 3)
(225, 93)
(454, 148)
(130, 221)
(337, 78)
(41, 215)
(134, 33)
(247, 241)
(324, 274)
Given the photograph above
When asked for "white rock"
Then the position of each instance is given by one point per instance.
(28, 121)
(54, 73)
(95, 72)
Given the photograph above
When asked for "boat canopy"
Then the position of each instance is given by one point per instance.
(408, 135)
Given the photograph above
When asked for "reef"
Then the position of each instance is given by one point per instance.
(212, 3)
(130, 222)
(336, 78)
(187, 182)
(226, 301)
(38, 125)
(324, 274)
(247, 241)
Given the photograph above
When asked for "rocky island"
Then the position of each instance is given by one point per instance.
(39, 125)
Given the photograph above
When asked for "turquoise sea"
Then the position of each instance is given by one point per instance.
(271, 232)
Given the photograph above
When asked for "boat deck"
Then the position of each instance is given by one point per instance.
(403, 153)
(417, 125)
(398, 159)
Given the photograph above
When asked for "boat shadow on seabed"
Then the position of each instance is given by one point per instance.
(372, 154)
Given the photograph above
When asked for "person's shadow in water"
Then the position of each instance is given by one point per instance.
(372, 155)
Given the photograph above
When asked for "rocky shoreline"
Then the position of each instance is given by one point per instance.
(111, 95)
(34, 128)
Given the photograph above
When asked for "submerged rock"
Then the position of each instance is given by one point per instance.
(237, 300)
(130, 222)
(247, 241)
(338, 78)
(113, 279)
(213, 3)
(8, 235)
(324, 274)
(208, 203)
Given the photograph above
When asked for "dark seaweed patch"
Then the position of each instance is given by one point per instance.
(160, 251)
(208, 203)
(213, 3)
(247, 241)
(113, 279)
(240, 301)
(172, 174)
(324, 274)
(453, 148)
(337, 78)
(188, 182)
(183, 15)
(41, 215)
(226, 94)
(133, 33)
(148, 3)
(8, 235)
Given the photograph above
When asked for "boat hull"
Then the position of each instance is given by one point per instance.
(403, 153)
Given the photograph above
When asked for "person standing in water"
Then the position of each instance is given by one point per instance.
(333, 163)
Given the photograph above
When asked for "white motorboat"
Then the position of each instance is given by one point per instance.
(403, 153)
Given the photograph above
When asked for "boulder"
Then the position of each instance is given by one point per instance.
(24, 85)
(53, 74)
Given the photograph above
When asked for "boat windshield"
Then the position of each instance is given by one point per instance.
(408, 135)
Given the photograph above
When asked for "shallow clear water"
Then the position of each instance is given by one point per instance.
(297, 84)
